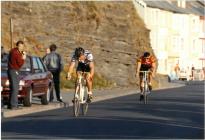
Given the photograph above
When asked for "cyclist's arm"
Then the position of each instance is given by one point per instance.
(138, 67)
(153, 69)
(71, 66)
(91, 69)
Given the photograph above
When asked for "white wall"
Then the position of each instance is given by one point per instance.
(175, 37)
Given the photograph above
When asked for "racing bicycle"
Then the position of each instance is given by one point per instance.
(146, 89)
(80, 101)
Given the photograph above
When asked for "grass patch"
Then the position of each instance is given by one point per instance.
(99, 81)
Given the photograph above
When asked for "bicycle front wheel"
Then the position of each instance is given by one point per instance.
(145, 93)
(76, 107)
(145, 98)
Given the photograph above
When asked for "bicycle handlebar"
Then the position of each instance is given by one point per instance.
(81, 73)
(145, 71)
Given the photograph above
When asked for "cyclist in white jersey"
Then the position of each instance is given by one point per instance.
(85, 64)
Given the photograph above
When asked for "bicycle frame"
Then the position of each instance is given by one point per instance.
(81, 85)
(79, 96)
(146, 90)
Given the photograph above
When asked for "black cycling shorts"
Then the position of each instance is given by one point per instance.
(83, 67)
(145, 68)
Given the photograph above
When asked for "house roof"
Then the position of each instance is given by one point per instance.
(193, 7)
(196, 7)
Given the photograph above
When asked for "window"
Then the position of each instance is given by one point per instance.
(35, 64)
(41, 67)
(175, 42)
(194, 42)
(182, 43)
(27, 65)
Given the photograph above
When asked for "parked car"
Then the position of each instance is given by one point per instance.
(198, 74)
(35, 81)
(183, 74)
(172, 76)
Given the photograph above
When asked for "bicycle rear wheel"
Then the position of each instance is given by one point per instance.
(84, 108)
(84, 104)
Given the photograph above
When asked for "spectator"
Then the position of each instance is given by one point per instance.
(16, 59)
(3, 54)
(192, 72)
(54, 64)
(47, 52)
(2, 51)
(188, 73)
(177, 69)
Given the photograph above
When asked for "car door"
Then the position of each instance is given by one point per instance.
(36, 76)
(43, 79)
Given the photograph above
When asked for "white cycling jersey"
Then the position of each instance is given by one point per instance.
(88, 55)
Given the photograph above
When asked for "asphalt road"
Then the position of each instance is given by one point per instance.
(171, 113)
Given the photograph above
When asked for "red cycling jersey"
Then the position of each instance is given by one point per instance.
(146, 62)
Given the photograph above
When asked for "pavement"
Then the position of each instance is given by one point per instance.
(67, 96)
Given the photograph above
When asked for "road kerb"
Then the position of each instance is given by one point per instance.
(28, 110)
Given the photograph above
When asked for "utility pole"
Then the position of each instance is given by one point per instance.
(11, 31)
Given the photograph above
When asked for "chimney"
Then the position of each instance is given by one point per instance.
(181, 3)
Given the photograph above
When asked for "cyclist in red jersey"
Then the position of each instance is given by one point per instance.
(145, 63)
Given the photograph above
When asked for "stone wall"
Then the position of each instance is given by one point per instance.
(112, 31)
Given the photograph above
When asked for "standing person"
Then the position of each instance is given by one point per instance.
(177, 69)
(54, 64)
(16, 60)
(85, 64)
(3, 54)
(145, 63)
(192, 72)
(47, 52)
(203, 69)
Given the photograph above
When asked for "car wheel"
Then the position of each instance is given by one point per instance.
(46, 97)
(4, 101)
(27, 101)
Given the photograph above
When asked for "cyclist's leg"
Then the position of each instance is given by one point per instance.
(141, 82)
(150, 80)
(78, 70)
(141, 86)
(89, 82)
(89, 85)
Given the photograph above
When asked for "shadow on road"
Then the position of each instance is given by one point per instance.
(170, 113)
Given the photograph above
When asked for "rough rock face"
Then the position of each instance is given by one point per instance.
(112, 31)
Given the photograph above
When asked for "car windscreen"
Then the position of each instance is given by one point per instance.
(27, 65)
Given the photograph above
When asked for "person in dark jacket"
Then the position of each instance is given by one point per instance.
(54, 64)
(15, 62)
(4, 55)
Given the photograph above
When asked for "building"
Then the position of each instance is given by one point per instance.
(176, 32)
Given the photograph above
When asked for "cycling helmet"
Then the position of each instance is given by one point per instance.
(146, 54)
(79, 51)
